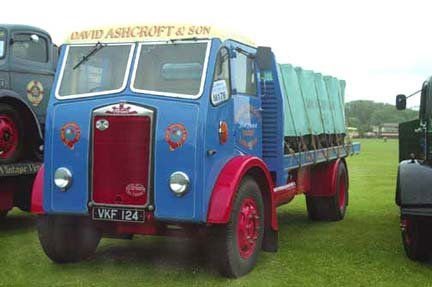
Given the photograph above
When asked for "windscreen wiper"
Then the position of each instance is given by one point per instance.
(246, 53)
(84, 59)
(187, 39)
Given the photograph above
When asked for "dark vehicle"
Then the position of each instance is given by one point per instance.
(28, 60)
(413, 192)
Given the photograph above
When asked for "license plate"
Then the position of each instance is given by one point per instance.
(118, 214)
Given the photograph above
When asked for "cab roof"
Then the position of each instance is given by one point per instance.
(20, 27)
(152, 32)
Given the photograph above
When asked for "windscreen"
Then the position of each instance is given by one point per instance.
(92, 70)
(174, 68)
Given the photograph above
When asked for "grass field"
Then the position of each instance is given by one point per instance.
(363, 250)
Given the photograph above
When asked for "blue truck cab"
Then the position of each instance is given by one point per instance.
(157, 130)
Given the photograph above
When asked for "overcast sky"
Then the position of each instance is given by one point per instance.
(381, 48)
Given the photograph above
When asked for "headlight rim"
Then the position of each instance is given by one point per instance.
(185, 182)
(63, 173)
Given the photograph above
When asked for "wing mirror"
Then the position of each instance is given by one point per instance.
(401, 102)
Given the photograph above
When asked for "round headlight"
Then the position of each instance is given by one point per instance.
(179, 183)
(63, 178)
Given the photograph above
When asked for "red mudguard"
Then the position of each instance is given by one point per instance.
(323, 178)
(37, 193)
(226, 186)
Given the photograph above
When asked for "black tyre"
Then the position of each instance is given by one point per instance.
(67, 239)
(11, 135)
(238, 243)
(416, 237)
(330, 208)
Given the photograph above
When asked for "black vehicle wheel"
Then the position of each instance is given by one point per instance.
(416, 238)
(330, 208)
(67, 239)
(238, 243)
(11, 135)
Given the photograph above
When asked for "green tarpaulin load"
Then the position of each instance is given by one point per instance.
(313, 104)
(326, 109)
(307, 86)
(296, 122)
(336, 93)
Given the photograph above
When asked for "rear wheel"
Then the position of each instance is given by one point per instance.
(416, 238)
(67, 238)
(331, 208)
(238, 243)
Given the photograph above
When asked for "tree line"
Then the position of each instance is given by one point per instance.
(364, 114)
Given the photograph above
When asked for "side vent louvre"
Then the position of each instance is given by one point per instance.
(272, 127)
(269, 119)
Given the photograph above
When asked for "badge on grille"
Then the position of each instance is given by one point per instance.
(135, 189)
(102, 124)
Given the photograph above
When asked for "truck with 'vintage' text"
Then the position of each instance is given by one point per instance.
(414, 177)
(185, 130)
(28, 59)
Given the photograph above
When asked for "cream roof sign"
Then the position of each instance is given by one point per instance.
(139, 33)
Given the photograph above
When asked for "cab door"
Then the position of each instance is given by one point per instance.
(219, 127)
(247, 103)
(32, 68)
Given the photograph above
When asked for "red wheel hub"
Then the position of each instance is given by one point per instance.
(8, 137)
(342, 192)
(248, 225)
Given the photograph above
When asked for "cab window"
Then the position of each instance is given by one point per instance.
(2, 43)
(221, 89)
(30, 47)
(245, 75)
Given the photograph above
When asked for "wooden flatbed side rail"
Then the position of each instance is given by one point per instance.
(297, 160)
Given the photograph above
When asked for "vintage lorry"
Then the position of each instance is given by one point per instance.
(28, 59)
(182, 130)
(414, 177)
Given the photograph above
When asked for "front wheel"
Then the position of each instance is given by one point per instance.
(416, 237)
(67, 239)
(238, 243)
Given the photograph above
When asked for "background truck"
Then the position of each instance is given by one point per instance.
(28, 60)
(173, 130)
(414, 178)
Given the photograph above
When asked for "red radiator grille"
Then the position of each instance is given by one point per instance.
(121, 162)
